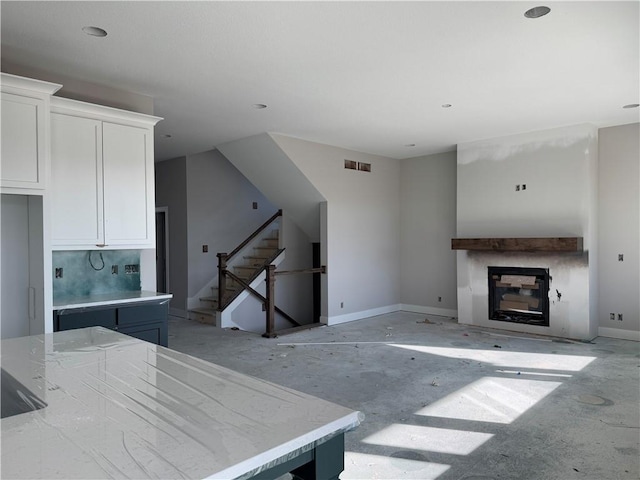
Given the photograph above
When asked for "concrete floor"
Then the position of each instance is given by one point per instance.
(447, 401)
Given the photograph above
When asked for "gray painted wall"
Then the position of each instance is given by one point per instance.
(171, 192)
(362, 227)
(294, 293)
(427, 225)
(220, 213)
(619, 227)
(262, 161)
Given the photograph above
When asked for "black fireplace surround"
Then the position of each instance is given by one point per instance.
(519, 295)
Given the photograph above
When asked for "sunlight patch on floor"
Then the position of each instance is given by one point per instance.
(491, 399)
(367, 466)
(429, 439)
(503, 358)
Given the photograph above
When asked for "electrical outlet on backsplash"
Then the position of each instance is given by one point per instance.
(95, 272)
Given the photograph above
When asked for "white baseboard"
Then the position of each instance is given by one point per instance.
(619, 333)
(442, 312)
(176, 312)
(351, 317)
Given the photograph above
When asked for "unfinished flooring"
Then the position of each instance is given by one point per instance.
(447, 401)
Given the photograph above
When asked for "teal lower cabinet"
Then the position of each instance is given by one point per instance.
(71, 319)
(146, 321)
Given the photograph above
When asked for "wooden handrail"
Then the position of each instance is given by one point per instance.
(322, 269)
(254, 234)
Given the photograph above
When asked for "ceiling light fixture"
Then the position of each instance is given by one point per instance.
(167, 135)
(446, 105)
(259, 106)
(632, 105)
(95, 31)
(410, 145)
(537, 12)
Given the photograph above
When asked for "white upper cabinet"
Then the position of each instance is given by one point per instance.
(102, 177)
(129, 203)
(76, 179)
(25, 130)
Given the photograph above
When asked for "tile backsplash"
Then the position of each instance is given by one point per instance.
(82, 273)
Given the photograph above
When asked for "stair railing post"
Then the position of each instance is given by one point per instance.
(271, 313)
(222, 278)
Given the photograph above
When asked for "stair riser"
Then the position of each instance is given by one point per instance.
(262, 251)
(255, 263)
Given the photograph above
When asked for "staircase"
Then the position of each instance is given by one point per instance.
(247, 274)
(247, 269)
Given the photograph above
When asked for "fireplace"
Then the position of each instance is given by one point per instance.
(519, 295)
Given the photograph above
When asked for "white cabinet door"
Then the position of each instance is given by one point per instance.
(76, 181)
(128, 185)
(23, 142)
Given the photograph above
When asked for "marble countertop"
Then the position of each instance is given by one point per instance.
(118, 407)
(89, 301)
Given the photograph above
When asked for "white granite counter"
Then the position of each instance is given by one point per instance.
(122, 408)
(89, 301)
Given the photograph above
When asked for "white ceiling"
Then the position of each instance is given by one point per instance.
(368, 76)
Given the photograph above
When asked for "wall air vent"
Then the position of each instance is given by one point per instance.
(353, 165)
(350, 164)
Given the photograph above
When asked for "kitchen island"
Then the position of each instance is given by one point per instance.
(118, 407)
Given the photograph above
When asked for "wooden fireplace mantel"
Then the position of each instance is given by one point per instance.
(536, 244)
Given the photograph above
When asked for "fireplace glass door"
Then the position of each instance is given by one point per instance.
(519, 295)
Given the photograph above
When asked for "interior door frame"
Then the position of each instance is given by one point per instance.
(165, 211)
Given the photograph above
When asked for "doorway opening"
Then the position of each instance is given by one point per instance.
(162, 249)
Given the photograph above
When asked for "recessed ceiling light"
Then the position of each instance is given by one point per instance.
(259, 106)
(410, 145)
(95, 31)
(446, 105)
(632, 105)
(537, 12)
